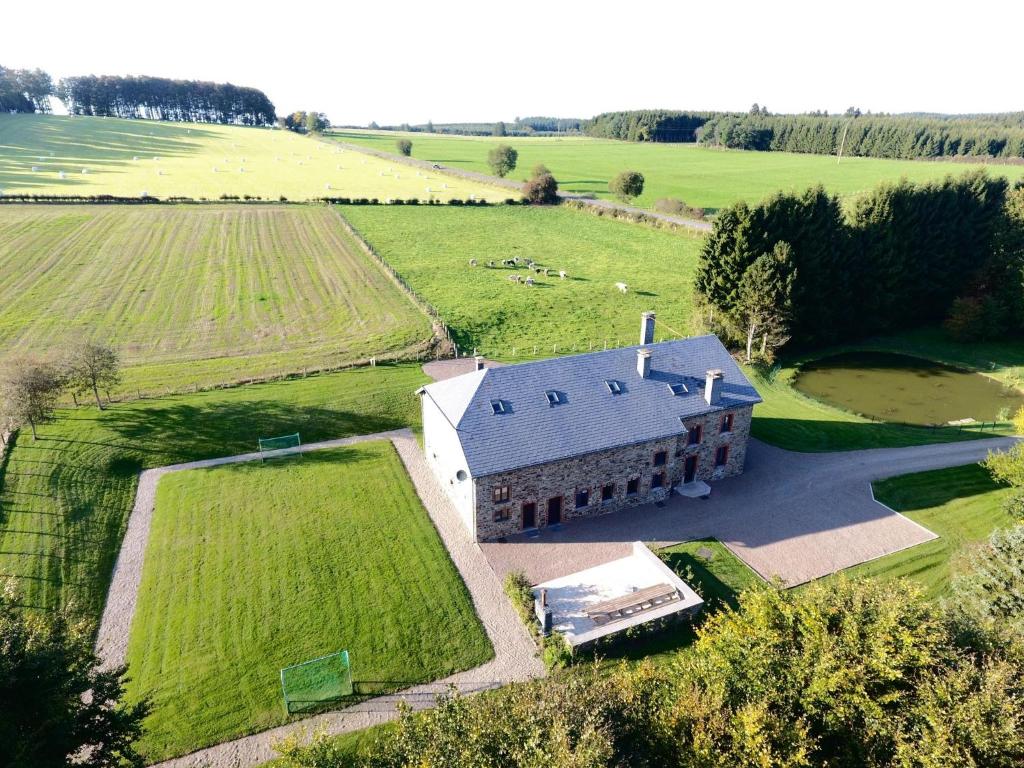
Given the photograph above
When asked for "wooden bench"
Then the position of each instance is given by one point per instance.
(629, 605)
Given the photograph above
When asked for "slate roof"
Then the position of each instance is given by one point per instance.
(588, 417)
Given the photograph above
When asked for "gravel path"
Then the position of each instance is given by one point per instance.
(514, 659)
(798, 516)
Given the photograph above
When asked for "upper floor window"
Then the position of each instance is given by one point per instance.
(694, 435)
(501, 493)
(660, 457)
(727, 422)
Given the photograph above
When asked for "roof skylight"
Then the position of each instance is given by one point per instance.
(498, 406)
(678, 388)
(613, 386)
(554, 398)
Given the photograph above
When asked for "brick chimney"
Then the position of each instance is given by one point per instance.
(643, 363)
(647, 328)
(713, 386)
(479, 361)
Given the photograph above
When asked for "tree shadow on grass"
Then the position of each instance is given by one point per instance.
(822, 435)
(182, 431)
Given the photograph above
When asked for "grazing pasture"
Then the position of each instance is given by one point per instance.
(703, 177)
(65, 498)
(111, 156)
(486, 309)
(202, 295)
(253, 567)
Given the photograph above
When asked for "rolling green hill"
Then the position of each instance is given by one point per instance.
(703, 177)
(130, 157)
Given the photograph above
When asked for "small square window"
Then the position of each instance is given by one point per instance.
(694, 435)
(722, 456)
(503, 514)
(501, 493)
(608, 492)
(658, 480)
(727, 421)
(660, 457)
(633, 487)
(582, 498)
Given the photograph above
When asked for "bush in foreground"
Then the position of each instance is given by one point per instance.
(541, 190)
(841, 673)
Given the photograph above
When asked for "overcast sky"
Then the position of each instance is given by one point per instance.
(448, 60)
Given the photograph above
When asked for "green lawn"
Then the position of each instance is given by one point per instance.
(706, 178)
(431, 248)
(198, 295)
(65, 499)
(162, 159)
(253, 567)
(963, 505)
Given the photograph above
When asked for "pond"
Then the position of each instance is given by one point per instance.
(898, 388)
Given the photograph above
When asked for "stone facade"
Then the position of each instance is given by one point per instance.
(540, 485)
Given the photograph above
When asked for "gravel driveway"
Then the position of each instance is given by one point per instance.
(797, 516)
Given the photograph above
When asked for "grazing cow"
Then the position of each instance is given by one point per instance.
(623, 288)
(472, 262)
(490, 264)
(514, 278)
(529, 281)
(562, 274)
(547, 272)
(509, 262)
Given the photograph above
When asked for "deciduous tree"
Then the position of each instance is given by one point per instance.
(92, 366)
(627, 185)
(502, 160)
(57, 706)
(29, 390)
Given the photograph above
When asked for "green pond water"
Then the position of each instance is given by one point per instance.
(899, 388)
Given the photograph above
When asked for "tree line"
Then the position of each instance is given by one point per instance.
(647, 125)
(891, 136)
(160, 98)
(798, 268)
(25, 90)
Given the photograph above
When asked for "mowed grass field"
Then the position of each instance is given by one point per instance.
(963, 505)
(198, 294)
(65, 498)
(703, 177)
(431, 248)
(254, 567)
(132, 157)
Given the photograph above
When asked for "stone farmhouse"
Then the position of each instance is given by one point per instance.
(542, 443)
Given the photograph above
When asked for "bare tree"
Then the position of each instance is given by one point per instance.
(29, 390)
(92, 365)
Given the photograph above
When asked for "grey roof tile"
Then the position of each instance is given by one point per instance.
(588, 417)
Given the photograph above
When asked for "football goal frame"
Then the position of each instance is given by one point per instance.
(317, 682)
(283, 445)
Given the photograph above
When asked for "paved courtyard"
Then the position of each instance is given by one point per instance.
(797, 516)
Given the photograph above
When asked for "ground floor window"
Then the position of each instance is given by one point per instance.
(503, 514)
(658, 480)
(608, 492)
(633, 487)
(582, 497)
(722, 456)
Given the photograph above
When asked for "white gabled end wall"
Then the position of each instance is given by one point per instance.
(445, 457)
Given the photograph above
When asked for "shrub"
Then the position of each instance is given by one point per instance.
(541, 190)
(627, 185)
(404, 146)
(975, 318)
